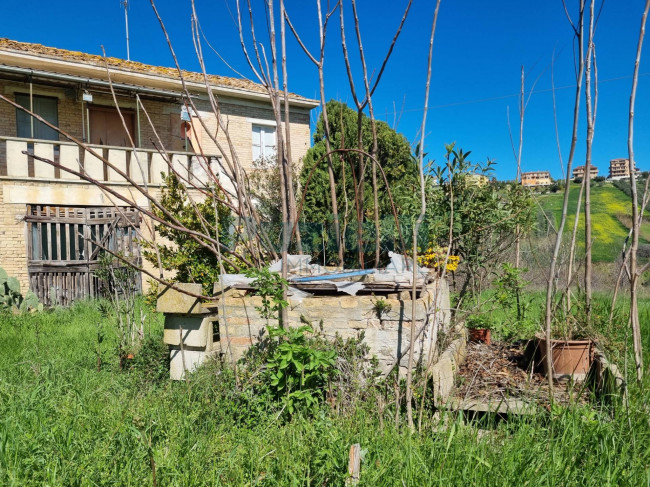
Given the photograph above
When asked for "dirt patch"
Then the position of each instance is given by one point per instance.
(504, 371)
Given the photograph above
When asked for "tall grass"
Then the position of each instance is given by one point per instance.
(64, 423)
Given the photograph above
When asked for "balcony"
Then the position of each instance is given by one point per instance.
(143, 166)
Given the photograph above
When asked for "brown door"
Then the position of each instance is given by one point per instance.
(106, 127)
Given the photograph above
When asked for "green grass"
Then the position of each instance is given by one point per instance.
(64, 423)
(611, 211)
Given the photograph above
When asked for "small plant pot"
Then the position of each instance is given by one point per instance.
(571, 358)
(482, 335)
(126, 361)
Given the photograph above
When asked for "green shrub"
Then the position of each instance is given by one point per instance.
(152, 360)
(299, 371)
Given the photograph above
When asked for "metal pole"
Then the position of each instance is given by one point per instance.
(125, 4)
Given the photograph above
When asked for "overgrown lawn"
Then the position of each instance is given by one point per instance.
(64, 423)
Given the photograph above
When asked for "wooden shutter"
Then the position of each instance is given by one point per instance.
(106, 127)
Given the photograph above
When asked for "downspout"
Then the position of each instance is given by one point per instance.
(137, 121)
(31, 109)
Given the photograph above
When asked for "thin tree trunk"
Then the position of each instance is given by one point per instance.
(572, 249)
(565, 203)
(587, 177)
(423, 208)
(636, 222)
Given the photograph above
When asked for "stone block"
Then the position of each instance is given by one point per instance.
(173, 301)
(364, 324)
(197, 330)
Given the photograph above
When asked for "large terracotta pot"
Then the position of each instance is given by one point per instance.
(571, 358)
(480, 335)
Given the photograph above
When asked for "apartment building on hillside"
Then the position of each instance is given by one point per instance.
(619, 169)
(48, 217)
(580, 171)
(536, 178)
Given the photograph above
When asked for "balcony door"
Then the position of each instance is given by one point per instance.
(106, 127)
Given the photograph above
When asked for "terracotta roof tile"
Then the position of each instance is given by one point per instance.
(133, 66)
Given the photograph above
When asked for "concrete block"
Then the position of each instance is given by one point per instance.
(193, 359)
(94, 166)
(16, 160)
(173, 301)
(69, 157)
(117, 157)
(197, 330)
(139, 167)
(43, 169)
(158, 166)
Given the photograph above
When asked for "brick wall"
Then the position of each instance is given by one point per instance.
(13, 249)
(238, 115)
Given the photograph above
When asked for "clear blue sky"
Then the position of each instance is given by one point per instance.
(479, 49)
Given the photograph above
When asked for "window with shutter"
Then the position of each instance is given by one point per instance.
(263, 142)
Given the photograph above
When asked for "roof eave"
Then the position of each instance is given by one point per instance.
(91, 71)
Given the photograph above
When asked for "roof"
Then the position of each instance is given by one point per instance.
(132, 66)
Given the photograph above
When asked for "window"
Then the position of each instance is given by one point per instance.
(263, 142)
(46, 107)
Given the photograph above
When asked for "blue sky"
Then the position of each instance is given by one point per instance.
(478, 53)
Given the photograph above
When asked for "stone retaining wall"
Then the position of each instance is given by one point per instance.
(238, 325)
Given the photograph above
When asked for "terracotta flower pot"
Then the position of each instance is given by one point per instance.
(571, 358)
(480, 335)
(126, 361)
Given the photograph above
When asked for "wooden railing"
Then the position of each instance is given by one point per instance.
(141, 165)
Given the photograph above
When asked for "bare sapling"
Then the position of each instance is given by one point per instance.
(319, 63)
(550, 291)
(418, 222)
(591, 118)
(635, 271)
(361, 104)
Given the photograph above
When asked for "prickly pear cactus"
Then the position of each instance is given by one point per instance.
(12, 299)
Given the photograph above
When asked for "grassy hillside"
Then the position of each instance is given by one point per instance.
(611, 211)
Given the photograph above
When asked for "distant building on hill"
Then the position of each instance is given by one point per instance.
(619, 169)
(536, 178)
(579, 172)
(477, 179)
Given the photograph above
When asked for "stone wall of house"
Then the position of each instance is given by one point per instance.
(240, 325)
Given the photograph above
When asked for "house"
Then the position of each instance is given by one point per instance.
(536, 178)
(579, 172)
(619, 169)
(479, 180)
(48, 217)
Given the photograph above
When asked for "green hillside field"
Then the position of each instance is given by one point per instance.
(611, 216)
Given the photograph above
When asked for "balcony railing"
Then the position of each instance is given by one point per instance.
(140, 165)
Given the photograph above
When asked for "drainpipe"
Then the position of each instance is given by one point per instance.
(137, 120)
(31, 109)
